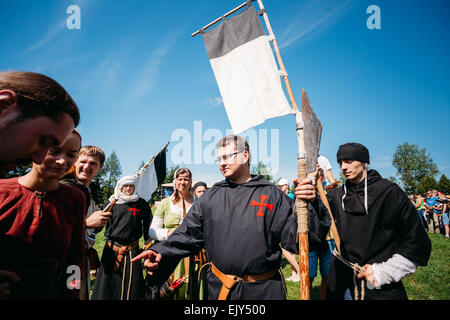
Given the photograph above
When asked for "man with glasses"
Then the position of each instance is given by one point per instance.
(241, 222)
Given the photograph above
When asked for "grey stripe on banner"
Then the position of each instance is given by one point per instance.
(233, 33)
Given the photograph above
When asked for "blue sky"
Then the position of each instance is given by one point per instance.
(139, 77)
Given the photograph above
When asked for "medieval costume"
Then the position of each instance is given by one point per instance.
(91, 257)
(241, 227)
(169, 217)
(117, 278)
(42, 239)
(377, 225)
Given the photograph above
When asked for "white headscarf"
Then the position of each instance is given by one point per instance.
(119, 196)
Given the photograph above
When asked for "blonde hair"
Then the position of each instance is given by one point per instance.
(93, 151)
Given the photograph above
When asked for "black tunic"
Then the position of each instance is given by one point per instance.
(390, 227)
(128, 223)
(240, 234)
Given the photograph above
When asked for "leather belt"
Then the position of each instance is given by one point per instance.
(121, 251)
(229, 280)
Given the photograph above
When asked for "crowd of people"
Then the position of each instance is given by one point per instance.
(433, 211)
(222, 242)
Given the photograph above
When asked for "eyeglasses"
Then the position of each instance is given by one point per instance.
(228, 157)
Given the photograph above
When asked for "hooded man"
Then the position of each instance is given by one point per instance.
(240, 222)
(381, 235)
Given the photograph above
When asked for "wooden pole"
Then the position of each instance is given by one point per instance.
(333, 228)
(220, 19)
(300, 205)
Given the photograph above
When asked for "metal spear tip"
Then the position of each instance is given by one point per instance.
(312, 133)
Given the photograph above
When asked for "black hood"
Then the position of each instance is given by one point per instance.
(256, 180)
(354, 198)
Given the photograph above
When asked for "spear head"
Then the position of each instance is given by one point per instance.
(312, 133)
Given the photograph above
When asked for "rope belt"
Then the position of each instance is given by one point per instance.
(121, 250)
(356, 269)
(229, 280)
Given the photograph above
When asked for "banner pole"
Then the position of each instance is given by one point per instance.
(300, 205)
(219, 19)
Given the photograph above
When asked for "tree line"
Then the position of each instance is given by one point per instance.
(415, 168)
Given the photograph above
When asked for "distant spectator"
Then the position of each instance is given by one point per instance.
(199, 188)
(283, 184)
(325, 165)
(431, 206)
(444, 202)
(420, 207)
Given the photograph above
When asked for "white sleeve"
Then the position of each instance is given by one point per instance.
(157, 230)
(324, 163)
(393, 270)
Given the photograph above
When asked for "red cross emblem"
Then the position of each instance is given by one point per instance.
(134, 210)
(261, 205)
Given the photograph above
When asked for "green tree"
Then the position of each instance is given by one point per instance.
(393, 179)
(444, 185)
(425, 184)
(107, 177)
(413, 164)
(262, 169)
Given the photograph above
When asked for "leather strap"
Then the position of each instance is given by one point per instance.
(121, 251)
(229, 280)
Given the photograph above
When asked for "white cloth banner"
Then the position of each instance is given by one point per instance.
(246, 72)
(147, 182)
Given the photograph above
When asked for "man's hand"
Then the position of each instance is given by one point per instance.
(368, 275)
(98, 219)
(305, 189)
(5, 278)
(151, 261)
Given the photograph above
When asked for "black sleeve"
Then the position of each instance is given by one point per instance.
(412, 241)
(184, 241)
(319, 223)
(147, 218)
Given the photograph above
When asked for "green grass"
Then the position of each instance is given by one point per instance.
(427, 283)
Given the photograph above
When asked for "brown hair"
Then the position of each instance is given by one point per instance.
(93, 151)
(240, 143)
(39, 95)
(77, 133)
(176, 194)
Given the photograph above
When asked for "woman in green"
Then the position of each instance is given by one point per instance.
(420, 207)
(169, 215)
